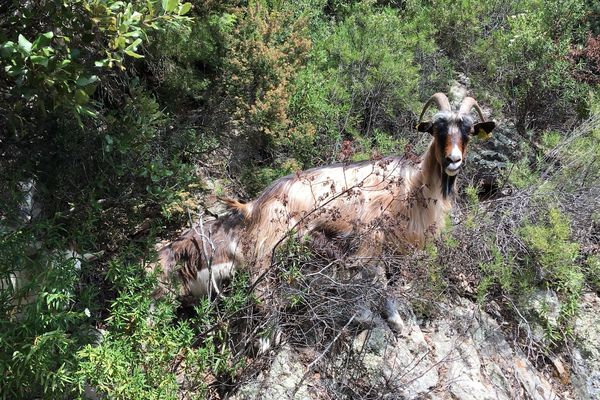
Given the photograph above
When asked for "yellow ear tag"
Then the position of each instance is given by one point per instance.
(483, 135)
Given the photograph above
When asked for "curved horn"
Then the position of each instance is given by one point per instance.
(469, 103)
(442, 103)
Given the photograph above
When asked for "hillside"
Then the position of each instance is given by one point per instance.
(124, 123)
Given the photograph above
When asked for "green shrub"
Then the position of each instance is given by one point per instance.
(42, 318)
(519, 51)
(50, 70)
(556, 256)
(592, 271)
(521, 175)
(499, 271)
(529, 57)
(147, 348)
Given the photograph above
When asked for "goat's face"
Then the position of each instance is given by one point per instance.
(451, 133)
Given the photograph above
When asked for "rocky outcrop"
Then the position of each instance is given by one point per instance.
(461, 354)
(586, 349)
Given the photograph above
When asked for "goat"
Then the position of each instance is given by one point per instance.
(391, 202)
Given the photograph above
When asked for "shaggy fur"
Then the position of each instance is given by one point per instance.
(390, 202)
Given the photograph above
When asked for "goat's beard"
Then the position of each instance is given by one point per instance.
(447, 184)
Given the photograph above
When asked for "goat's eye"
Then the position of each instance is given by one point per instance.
(440, 128)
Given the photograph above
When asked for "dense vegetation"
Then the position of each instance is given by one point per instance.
(121, 120)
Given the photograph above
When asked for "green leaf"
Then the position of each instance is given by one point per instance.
(64, 63)
(40, 60)
(86, 80)
(134, 34)
(134, 45)
(81, 97)
(86, 111)
(170, 5)
(24, 44)
(7, 49)
(185, 8)
(133, 54)
(102, 63)
(43, 40)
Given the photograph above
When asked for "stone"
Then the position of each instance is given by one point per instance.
(585, 360)
(462, 355)
(283, 380)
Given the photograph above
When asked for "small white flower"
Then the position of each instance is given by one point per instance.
(87, 312)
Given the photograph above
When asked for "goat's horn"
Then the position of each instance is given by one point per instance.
(442, 103)
(469, 103)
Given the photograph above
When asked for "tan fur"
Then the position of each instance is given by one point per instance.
(390, 203)
(237, 206)
(389, 199)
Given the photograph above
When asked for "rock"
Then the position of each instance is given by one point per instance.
(463, 354)
(478, 362)
(543, 311)
(458, 90)
(284, 380)
(585, 363)
(489, 158)
(403, 366)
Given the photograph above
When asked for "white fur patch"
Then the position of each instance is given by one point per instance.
(217, 273)
(455, 156)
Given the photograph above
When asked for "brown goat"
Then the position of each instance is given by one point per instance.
(390, 202)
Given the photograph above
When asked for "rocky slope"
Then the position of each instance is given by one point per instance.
(463, 354)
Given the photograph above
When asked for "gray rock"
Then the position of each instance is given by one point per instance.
(404, 365)
(492, 156)
(284, 380)
(462, 355)
(586, 353)
(478, 362)
(543, 311)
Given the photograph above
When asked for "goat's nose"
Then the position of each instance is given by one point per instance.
(455, 155)
(453, 158)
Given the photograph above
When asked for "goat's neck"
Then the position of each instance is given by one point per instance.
(429, 177)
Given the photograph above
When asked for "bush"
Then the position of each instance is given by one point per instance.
(43, 315)
(148, 352)
(363, 80)
(519, 50)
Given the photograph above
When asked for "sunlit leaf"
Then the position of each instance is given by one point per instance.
(170, 5)
(101, 63)
(133, 54)
(24, 44)
(86, 80)
(81, 97)
(134, 45)
(7, 49)
(185, 8)
(43, 40)
(40, 60)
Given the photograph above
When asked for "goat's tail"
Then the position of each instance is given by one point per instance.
(244, 209)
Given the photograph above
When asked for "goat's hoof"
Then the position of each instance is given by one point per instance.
(262, 346)
(397, 325)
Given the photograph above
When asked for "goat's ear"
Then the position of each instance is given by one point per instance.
(424, 127)
(484, 129)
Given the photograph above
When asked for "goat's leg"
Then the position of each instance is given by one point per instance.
(370, 253)
(393, 318)
(266, 333)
